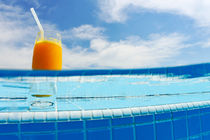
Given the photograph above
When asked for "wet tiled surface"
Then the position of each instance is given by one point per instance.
(175, 125)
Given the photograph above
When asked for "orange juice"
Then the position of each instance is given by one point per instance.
(47, 55)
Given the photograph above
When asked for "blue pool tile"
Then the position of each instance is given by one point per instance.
(70, 125)
(164, 131)
(201, 70)
(179, 128)
(100, 134)
(162, 116)
(158, 70)
(37, 127)
(9, 137)
(186, 138)
(38, 136)
(122, 121)
(178, 114)
(97, 72)
(207, 68)
(71, 135)
(97, 123)
(144, 119)
(205, 121)
(196, 138)
(139, 71)
(116, 71)
(123, 133)
(206, 137)
(194, 125)
(7, 128)
(70, 73)
(193, 112)
(145, 132)
(173, 71)
(196, 71)
(205, 110)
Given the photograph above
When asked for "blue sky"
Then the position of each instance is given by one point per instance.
(109, 33)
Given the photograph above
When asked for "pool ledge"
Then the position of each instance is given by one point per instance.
(30, 117)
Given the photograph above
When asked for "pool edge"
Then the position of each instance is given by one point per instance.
(30, 117)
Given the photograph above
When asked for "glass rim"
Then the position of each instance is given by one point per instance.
(49, 35)
(49, 31)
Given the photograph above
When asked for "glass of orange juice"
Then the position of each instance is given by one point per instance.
(47, 53)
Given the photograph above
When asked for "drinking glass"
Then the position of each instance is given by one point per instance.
(47, 54)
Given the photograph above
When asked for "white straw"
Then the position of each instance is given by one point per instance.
(38, 22)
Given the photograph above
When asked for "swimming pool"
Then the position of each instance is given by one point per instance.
(158, 103)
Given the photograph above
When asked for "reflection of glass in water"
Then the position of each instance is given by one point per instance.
(43, 94)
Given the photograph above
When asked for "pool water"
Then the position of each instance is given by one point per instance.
(93, 92)
(171, 103)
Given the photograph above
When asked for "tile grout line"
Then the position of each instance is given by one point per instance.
(187, 125)
(110, 125)
(85, 129)
(200, 121)
(154, 127)
(19, 131)
(172, 127)
(56, 130)
(134, 128)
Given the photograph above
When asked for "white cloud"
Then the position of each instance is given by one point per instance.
(205, 44)
(15, 58)
(16, 38)
(117, 10)
(85, 32)
(130, 53)
(34, 2)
